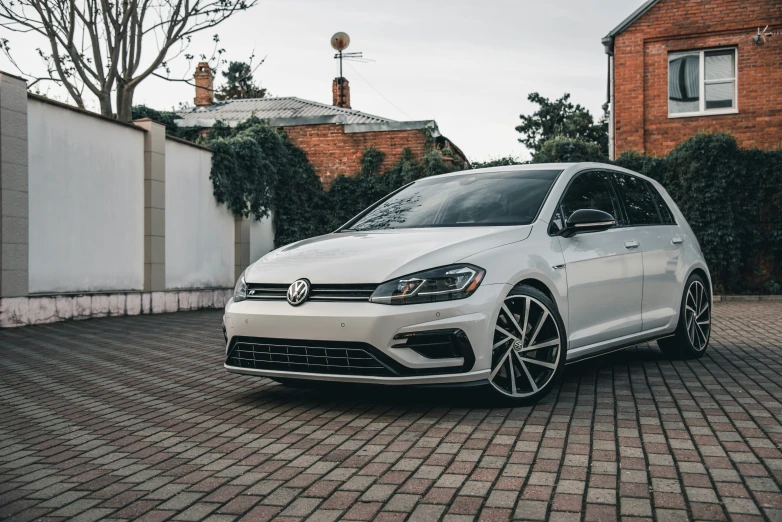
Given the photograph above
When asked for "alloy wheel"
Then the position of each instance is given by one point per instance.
(526, 348)
(697, 315)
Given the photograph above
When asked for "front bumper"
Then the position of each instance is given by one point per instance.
(416, 380)
(374, 324)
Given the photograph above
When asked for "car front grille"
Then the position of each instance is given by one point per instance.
(327, 292)
(326, 357)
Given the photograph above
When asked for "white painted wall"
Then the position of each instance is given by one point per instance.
(199, 231)
(86, 183)
(261, 238)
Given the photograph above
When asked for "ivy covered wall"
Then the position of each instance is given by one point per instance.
(256, 170)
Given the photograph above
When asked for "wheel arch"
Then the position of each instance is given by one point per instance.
(538, 285)
(552, 285)
(703, 272)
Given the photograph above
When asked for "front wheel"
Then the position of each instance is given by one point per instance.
(528, 349)
(694, 329)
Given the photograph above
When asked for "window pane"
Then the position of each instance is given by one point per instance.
(719, 65)
(684, 83)
(589, 190)
(639, 204)
(665, 213)
(719, 95)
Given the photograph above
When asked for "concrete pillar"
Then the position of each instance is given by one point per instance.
(241, 245)
(14, 201)
(154, 205)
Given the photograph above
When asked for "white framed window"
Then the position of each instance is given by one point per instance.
(702, 83)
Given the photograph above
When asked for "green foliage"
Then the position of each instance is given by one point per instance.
(732, 199)
(239, 83)
(300, 207)
(497, 162)
(257, 170)
(646, 165)
(560, 118)
(166, 118)
(562, 149)
(350, 195)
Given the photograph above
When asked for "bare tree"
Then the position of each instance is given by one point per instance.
(108, 47)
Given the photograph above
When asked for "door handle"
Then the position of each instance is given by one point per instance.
(632, 244)
(677, 241)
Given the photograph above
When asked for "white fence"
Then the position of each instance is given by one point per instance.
(199, 231)
(107, 218)
(86, 186)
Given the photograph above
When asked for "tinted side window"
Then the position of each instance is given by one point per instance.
(638, 201)
(665, 213)
(589, 190)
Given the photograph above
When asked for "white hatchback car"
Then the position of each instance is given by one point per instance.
(495, 276)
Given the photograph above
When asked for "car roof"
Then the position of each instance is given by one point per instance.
(564, 167)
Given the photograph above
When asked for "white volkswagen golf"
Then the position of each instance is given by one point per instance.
(496, 276)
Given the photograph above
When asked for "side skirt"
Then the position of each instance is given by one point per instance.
(613, 345)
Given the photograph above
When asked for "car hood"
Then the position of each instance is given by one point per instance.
(374, 257)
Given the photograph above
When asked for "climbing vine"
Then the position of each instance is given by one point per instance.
(257, 171)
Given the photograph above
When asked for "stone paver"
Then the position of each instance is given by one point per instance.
(135, 418)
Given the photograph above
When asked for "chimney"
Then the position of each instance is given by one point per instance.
(340, 91)
(204, 80)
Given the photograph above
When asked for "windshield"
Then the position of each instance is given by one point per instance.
(486, 199)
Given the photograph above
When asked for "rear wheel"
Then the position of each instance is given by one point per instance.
(528, 348)
(694, 329)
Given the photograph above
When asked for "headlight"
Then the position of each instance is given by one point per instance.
(240, 290)
(439, 284)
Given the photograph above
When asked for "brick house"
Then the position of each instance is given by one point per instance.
(334, 137)
(679, 67)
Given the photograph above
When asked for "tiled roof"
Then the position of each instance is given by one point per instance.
(278, 109)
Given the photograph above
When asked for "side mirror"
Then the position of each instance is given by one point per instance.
(587, 220)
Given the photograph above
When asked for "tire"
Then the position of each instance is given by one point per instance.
(521, 374)
(693, 331)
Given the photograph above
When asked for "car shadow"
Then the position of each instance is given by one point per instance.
(347, 396)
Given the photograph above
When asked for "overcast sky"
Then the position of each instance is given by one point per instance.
(469, 64)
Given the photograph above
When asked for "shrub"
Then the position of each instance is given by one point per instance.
(566, 150)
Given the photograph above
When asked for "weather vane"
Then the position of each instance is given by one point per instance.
(762, 36)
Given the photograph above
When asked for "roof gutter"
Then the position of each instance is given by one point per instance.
(608, 43)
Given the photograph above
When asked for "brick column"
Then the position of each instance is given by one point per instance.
(241, 245)
(14, 201)
(154, 205)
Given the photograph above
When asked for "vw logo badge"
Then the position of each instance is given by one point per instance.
(298, 292)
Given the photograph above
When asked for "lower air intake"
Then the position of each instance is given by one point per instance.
(326, 357)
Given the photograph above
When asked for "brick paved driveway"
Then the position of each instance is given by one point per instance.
(134, 417)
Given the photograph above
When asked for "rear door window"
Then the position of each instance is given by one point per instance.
(666, 216)
(638, 201)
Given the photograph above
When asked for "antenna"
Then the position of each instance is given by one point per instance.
(340, 42)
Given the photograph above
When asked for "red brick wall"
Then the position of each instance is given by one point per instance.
(641, 73)
(332, 152)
